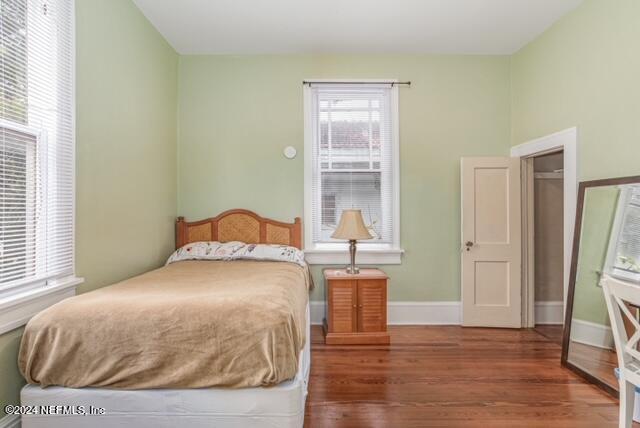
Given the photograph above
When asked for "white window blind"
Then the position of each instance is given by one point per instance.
(624, 260)
(36, 142)
(352, 133)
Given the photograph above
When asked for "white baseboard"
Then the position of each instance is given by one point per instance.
(441, 313)
(549, 312)
(590, 333)
(10, 421)
(408, 313)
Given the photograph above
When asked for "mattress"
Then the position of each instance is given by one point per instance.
(190, 324)
(281, 405)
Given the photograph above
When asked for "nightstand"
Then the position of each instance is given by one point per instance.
(356, 307)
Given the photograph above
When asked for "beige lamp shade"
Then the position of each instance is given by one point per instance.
(351, 226)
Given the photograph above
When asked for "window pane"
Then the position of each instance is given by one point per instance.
(324, 131)
(13, 57)
(18, 213)
(350, 134)
(346, 190)
(329, 210)
(351, 165)
(375, 136)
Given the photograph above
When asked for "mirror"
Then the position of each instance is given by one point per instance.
(606, 240)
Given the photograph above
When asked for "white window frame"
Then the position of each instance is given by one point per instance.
(18, 305)
(338, 253)
(610, 259)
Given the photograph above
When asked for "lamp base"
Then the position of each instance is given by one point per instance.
(352, 270)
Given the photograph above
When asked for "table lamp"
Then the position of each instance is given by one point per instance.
(352, 228)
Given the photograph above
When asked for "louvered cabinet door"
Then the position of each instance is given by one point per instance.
(372, 305)
(356, 307)
(342, 306)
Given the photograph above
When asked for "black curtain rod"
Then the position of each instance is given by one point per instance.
(311, 82)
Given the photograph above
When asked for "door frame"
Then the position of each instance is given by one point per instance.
(567, 142)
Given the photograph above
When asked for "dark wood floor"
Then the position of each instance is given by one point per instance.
(454, 377)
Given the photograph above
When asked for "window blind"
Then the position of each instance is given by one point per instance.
(352, 158)
(626, 261)
(36, 142)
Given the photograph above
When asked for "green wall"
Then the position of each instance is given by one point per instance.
(126, 150)
(10, 378)
(237, 113)
(584, 72)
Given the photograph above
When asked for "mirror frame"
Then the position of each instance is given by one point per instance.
(584, 185)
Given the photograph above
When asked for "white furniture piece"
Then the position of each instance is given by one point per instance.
(619, 295)
(278, 406)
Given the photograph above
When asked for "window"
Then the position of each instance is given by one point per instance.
(623, 257)
(36, 146)
(351, 140)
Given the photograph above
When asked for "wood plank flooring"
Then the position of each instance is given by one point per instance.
(452, 377)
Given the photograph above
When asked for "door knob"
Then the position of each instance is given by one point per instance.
(468, 244)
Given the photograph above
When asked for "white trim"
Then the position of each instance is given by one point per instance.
(408, 313)
(567, 141)
(549, 312)
(10, 421)
(18, 127)
(308, 160)
(592, 334)
(323, 254)
(395, 153)
(364, 256)
(16, 310)
(73, 136)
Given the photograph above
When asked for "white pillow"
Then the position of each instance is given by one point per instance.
(236, 250)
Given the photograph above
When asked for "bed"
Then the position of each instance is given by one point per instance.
(173, 368)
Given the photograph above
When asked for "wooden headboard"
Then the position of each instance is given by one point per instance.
(239, 225)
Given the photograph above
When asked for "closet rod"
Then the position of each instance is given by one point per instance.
(548, 175)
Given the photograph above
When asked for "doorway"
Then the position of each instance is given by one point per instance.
(549, 192)
(548, 230)
(498, 260)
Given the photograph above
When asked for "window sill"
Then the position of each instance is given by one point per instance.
(17, 309)
(331, 254)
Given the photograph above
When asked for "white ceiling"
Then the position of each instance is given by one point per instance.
(352, 26)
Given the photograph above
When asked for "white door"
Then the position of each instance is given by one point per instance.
(491, 242)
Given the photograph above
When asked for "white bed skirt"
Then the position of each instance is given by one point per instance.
(278, 406)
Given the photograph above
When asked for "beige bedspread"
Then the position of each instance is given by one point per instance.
(190, 324)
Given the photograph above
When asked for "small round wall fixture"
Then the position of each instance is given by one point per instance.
(290, 152)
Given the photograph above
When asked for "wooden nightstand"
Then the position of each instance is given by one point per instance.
(356, 307)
